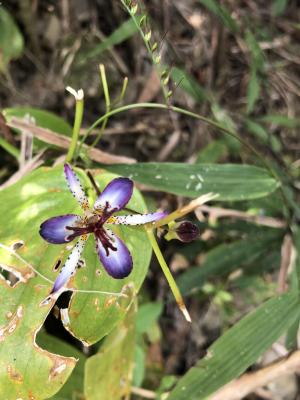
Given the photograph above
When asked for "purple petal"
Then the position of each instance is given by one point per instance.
(115, 196)
(53, 230)
(136, 219)
(69, 267)
(118, 263)
(75, 187)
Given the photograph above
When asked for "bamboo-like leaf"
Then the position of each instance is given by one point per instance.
(230, 181)
(238, 348)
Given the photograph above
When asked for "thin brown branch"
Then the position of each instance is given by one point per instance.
(50, 137)
(250, 382)
(218, 212)
(286, 257)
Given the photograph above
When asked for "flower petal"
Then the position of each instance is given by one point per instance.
(53, 230)
(69, 267)
(75, 187)
(136, 219)
(115, 196)
(118, 263)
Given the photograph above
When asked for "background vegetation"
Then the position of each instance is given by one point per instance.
(226, 76)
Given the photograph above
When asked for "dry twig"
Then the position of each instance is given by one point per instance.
(250, 382)
(218, 212)
(48, 136)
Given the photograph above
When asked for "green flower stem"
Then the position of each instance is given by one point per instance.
(191, 206)
(12, 150)
(107, 103)
(178, 110)
(193, 115)
(173, 286)
(79, 97)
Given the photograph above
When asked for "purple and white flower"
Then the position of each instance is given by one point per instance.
(112, 251)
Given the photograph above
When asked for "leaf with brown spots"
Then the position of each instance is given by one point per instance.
(25, 367)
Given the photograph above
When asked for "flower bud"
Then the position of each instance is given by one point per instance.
(187, 231)
(184, 231)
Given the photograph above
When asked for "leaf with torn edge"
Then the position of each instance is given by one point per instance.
(41, 195)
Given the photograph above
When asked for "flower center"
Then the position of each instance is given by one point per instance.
(94, 224)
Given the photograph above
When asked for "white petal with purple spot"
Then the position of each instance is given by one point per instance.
(115, 196)
(54, 229)
(75, 187)
(136, 219)
(69, 267)
(118, 263)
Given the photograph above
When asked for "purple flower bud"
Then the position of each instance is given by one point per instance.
(187, 231)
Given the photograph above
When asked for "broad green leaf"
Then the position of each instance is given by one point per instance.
(119, 35)
(26, 370)
(108, 373)
(45, 119)
(222, 13)
(238, 348)
(11, 39)
(230, 181)
(147, 315)
(189, 84)
(73, 388)
(25, 205)
(225, 258)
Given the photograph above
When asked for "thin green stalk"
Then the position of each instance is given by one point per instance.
(178, 110)
(77, 121)
(122, 94)
(12, 150)
(173, 286)
(193, 115)
(107, 103)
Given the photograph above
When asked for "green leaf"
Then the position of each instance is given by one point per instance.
(12, 150)
(221, 12)
(73, 388)
(122, 33)
(257, 130)
(230, 181)
(225, 258)
(11, 39)
(26, 369)
(41, 195)
(257, 54)
(147, 315)
(108, 373)
(279, 7)
(224, 119)
(213, 152)
(42, 118)
(139, 366)
(189, 84)
(281, 120)
(253, 90)
(238, 348)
